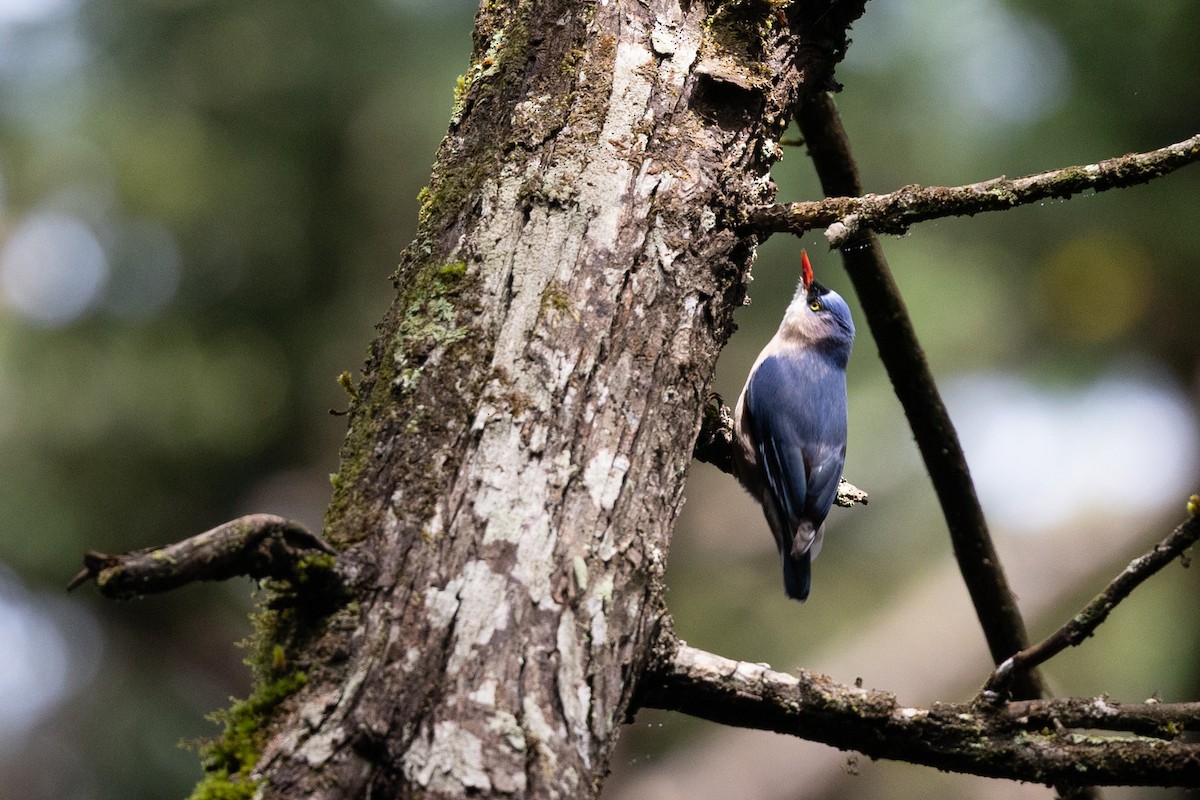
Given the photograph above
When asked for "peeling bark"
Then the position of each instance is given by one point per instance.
(514, 462)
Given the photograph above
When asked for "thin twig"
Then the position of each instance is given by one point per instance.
(1026, 740)
(913, 382)
(257, 545)
(847, 218)
(1083, 624)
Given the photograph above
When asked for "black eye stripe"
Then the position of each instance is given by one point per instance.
(815, 291)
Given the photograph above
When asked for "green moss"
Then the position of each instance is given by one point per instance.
(229, 760)
(213, 788)
(263, 660)
(345, 481)
(292, 616)
(423, 327)
(279, 659)
(461, 85)
(431, 324)
(428, 322)
(346, 381)
(453, 271)
(311, 568)
(570, 61)
(424, 204)
(555, 297)
(739, 28)
(499, 71)
(489, 64)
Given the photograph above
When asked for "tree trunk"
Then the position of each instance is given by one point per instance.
(519, 441)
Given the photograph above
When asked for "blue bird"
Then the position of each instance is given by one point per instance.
(790, 425)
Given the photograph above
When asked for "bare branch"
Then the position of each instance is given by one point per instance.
(257, 545)
(1025, 741)
(1083, 624)
(1160, 720)
(848, 218)
(918, 394)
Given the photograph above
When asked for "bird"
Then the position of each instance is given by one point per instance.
(790, 425)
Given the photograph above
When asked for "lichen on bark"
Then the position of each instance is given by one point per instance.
(519, 439)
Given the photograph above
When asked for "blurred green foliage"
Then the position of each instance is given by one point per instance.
(251, 170)
(273, 153)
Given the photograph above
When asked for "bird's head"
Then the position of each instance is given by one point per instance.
(817, 315)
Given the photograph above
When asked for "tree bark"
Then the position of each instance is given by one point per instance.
(519, 440)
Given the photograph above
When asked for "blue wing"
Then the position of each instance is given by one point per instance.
(797, 409)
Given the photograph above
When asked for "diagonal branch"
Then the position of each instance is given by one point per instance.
(1025, 740)
(913, 382)
(847, 218)
(1083, 624)
(256, 545)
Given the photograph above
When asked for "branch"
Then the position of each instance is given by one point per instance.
(257, 545)
(715, 446)
(1025, 741)
(1159, 720)
(1083, 624)
(912, 380)
(848, 218)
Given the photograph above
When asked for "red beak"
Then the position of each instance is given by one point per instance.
(806, 275)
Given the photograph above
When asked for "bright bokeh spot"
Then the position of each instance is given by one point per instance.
(47, 655)
(1124, 445)
(52, 269)
(24, 12)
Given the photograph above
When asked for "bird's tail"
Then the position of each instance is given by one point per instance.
(797, 576)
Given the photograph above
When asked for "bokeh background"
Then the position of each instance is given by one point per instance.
(201, 203)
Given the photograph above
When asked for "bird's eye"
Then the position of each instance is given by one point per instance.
(815, 305)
